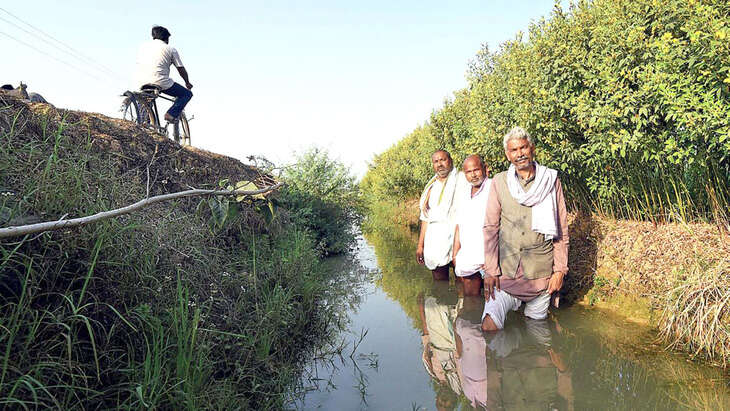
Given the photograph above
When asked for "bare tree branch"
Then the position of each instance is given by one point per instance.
(148, 170)
(14, 231)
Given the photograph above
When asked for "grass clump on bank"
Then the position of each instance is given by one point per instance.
(696, 311)
(169, 308)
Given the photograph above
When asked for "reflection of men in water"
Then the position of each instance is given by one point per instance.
(471, 352)
(468, 247)
(525, 372)
(438, 311)
(438, 208)
(525, 235)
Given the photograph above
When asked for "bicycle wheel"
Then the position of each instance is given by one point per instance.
(130, 108)
(146, 113)
(181, 131)
(136, 109)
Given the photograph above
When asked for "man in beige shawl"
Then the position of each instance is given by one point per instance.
(438, 214)
(525, 235)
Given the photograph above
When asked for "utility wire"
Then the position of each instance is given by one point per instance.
(51, 56)
(72, 52)
(39, 38)
(77, 54)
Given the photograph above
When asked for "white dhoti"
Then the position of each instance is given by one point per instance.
(437, 244)
(439, 202)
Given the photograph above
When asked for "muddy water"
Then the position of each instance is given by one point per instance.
(580, 358)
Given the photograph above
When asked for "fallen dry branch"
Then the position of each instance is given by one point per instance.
(15, 231)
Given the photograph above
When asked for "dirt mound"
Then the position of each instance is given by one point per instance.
(136, 148)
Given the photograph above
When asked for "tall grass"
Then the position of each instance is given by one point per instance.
(665, 195)
(161, 309)
(696, 312)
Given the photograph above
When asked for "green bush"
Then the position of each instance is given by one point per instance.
(321, 195)
(628, 99)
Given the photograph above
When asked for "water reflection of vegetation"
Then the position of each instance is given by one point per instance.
(401, 278)
(346, 289)
(608, 355)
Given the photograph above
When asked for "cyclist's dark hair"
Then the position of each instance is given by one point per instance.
(160, 33)
(7, 87)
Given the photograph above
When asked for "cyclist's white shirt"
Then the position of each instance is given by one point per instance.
(153, 64)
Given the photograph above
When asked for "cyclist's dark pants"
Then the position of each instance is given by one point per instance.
(182, 95)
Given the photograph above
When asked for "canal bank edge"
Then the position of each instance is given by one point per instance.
(166, 308)
(672, 277)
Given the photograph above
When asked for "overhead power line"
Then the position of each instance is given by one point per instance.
(68, 50)
(38, 37)
(51, 56)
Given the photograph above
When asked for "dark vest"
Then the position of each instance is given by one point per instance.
(517, 241)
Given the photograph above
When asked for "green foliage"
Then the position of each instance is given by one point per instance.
(627, 99)
(224, 209)
(176, 307)
(321, 195)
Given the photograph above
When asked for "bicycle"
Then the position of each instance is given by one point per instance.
(141, 108)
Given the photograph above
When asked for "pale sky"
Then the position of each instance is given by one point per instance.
(270, 78)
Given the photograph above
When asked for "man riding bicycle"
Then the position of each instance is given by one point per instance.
(153, 71)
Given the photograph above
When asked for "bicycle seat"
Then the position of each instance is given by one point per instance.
(152, 89)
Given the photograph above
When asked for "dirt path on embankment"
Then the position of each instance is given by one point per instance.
(171, 166)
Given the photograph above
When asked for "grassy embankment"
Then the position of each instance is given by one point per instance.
(179, 306)
(630, 102)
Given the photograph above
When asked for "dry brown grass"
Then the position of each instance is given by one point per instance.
(695, 312)
(645, 256)
(681, 270)
(171, 166)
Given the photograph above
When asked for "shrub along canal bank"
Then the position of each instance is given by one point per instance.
(191, 304)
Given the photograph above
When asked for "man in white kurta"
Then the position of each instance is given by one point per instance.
(153, 70)
(438, 204)
(468, 248)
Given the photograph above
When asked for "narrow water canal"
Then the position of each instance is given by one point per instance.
(580, 358)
